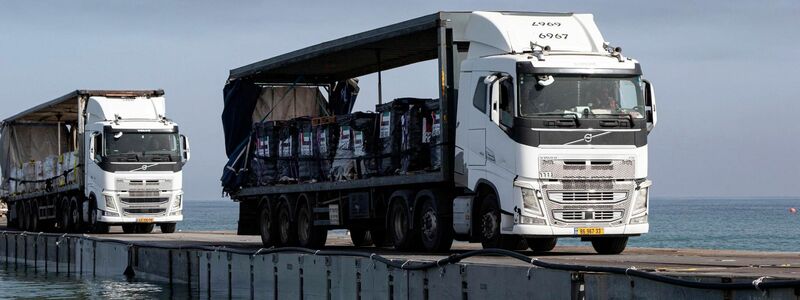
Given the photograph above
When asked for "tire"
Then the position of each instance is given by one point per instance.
(167, 227)
(25, 219)
(266, 225)
(490, 227)
(542, 244)
(34, 216)
(308, 235)
(436, 233)
(379, 236)
(74, 215)
(92, 225)
(63, 215)
(129, 228)
(361, 237)
(610, 245)
(287, 229)
(145, 228)
(401, 235)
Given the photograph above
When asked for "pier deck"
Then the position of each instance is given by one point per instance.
(215, 271)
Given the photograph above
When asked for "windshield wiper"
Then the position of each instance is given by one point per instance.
(629, 116)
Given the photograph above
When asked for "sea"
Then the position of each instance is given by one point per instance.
(762, 224)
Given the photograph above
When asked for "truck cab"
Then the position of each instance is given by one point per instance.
(552, 128)
(134, 162)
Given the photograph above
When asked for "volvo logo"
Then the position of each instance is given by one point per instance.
(587, 138)
(144, 167)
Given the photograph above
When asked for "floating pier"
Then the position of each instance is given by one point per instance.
(222, 264)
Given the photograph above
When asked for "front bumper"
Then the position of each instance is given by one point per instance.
(161, 219)
(546, 230)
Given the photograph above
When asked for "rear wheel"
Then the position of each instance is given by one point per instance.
(167, 227)
(24, 218)
(610, 245)
(308, 235)
(435, 232)
(266, 225)
(402, 235)
(74, 215)
(286, 228)
(490, 227)
(34, 216)
(542, 244)
(63, 215)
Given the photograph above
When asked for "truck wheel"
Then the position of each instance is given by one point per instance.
(63, 215)
(93, 225)
(435, 232)
(129, 228)
(401, 235)
(361, 237)
(74, 215)
(287, 231)
(167, 227)
(145, 228)
(379, 236)
(610, 245)
(34, 215)
(25, 219)
(266, 225)
(308, 235)
(490, 227)
(542, 244)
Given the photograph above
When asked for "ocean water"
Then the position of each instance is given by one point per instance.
(736, 224)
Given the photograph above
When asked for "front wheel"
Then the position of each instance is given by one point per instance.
(167, 227)
(361, 237)
(490, 227)
(129, 228)
(542, 244)
(145, 228)
(610, 245)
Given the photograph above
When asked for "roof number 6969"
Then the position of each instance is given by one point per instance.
(555, 24)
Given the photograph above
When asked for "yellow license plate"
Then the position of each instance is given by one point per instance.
(144, 220)
(589, 231)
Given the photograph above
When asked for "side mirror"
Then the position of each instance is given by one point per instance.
(650, 105)
(185, 153)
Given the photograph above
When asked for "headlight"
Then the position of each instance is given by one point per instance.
(178, 200)
(110, 205)
(531, 201)
(641, 201)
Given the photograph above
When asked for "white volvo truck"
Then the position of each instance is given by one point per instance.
(93, 159)
(544, 135)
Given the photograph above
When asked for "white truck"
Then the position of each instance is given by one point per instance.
(93, 159)
(543, 130)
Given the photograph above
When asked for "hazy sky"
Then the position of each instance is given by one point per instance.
(725, 72)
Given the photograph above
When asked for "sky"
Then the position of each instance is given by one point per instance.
(725, 72)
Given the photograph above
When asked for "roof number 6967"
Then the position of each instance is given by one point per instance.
(558, 36)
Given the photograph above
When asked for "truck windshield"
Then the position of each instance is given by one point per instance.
(142, 147)
(584, 96)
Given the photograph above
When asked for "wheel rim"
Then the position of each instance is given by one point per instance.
(303, 227)
(429, 224)
(489, 225)
(284, 218)
(265, 224)
(399, 222)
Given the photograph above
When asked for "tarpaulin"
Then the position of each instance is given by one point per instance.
(240, 99)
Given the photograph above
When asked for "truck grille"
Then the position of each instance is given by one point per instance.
(144, 200)
(142, 211)
(587, 216)
(576, 196)
(150, 193)
(586, 169)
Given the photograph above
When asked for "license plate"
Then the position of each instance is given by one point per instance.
(589, 231)
(144, 220)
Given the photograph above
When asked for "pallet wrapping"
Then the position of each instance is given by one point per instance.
(307, 152)
(287, 152)
(432, 133)
(355, 155)
(263, 164)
